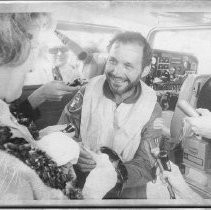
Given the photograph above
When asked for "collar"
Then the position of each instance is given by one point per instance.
(130, 100)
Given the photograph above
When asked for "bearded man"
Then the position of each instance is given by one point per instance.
(117, 110)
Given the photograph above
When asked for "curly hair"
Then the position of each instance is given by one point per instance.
(40, 20)
(134, 37)
(14, 37)
(14, 45)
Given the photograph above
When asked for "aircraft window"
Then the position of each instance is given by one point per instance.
(88, 39)
(97, 41)
(196, 42)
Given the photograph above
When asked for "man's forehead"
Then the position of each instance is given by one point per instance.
(129, 46)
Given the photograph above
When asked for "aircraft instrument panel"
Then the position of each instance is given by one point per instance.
(168, 71)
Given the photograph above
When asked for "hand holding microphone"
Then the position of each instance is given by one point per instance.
(199, 119)
(185, 107)
(162, 162)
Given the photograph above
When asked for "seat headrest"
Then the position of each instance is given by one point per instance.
(204, 98)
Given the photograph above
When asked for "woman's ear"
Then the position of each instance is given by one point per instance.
(146, 71)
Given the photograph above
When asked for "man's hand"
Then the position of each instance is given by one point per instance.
(159, 124)
(201, 125)
(85, 162)
(51, 91)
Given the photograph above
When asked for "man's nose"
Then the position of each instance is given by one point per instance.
(118, 69)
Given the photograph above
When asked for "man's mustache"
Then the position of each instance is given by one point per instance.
(110, 75)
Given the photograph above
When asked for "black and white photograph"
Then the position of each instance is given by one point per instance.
(105, 104)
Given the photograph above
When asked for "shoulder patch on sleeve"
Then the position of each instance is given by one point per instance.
(76, 103)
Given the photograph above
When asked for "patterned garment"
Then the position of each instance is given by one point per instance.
(53, 176)
(25, 115)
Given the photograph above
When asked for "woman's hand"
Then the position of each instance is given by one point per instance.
(201, 125)
(50, 129)
(51, 91)
(179, 184)
(175, 178)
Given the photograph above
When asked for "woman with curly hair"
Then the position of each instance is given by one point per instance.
(29, 169)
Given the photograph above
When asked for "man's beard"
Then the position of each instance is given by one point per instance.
(119, 90)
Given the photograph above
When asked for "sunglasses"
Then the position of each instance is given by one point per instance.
(56, 50)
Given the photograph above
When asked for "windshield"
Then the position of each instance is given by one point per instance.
(91, 40)
(196, 42)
